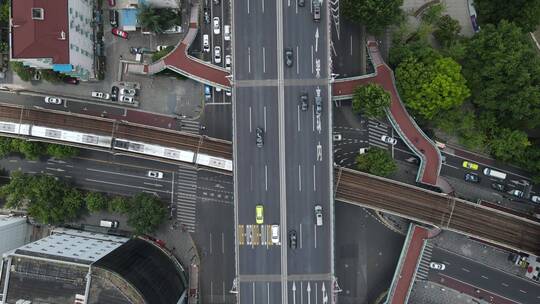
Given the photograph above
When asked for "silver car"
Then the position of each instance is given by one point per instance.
(217, 54)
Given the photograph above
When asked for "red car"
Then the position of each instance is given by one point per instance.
(112, 2)
(119, 33)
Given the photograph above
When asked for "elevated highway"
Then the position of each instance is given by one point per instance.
(351, 186)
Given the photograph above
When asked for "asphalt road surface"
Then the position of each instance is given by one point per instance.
(296, 146)
(484, 277)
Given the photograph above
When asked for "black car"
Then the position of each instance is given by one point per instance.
(498, 187)
(114, 93)
(206, 16)
(292, 239)
(472, 178)
(289, 60)
(259, 137)
(304, 104)
(113, 17)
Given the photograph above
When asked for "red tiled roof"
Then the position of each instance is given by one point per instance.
(40, 38)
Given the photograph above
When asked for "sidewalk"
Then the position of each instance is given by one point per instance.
(427, 292)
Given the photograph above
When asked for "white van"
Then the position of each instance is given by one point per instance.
(108, 224)
(318, 215)
(494, 173)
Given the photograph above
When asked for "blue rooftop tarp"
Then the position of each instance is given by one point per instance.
(62, 68)
(128, 17)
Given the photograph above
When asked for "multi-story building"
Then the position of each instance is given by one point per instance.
(57, 35)
(14, 232)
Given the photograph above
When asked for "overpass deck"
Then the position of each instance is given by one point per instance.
(411, 134)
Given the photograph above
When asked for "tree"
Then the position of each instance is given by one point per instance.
(31, 149)
(371, 99)
(433, 13)
(429, 89)
(447, 31)
(157, 20)
(376, 161)
(503, 72)
(374, 14)
(146, 213)
(417, 48)
(119, 204)
(5, 146)
(525, 13)
(25, 73)
(62, 151)
(509, 145)
(95, 201)
(4, 12)
(16, 190)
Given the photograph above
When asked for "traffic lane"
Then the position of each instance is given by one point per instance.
(307, 185)
(258, 175)
(484, 277)
(309, 292)
(69, 105)
(307, 39)
(260, 292)
(95, 174)
(255, 40)
(217, 39)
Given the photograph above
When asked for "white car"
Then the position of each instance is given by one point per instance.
(161, 47)
(217, 54)
(217, 30)
(173, 30)
(101, 95)
(53, 100)
(227, 32)
(437, 266)
(275, 234)
(128, 91)
(124, 98)
(206, 43)
(228, 93)
(389, 140)
(228, 60)
(154, 174)
(535, 199)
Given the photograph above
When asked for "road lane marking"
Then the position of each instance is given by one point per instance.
(263, 6)
(251, 178)
(210, 249)
(124, 185)
(249, 58)
(312, 65)
(465, 269)
(152, 184)
(299, 178)
(351, 46)
(266, 177)
(248, 7)
(315, 238)
(264, 112)
(253, 286)
(124, 174)
(267, 292)
(485, 277)
(264, 59)
(250, 127)
(504, 284)
(297, 60)
(211, 291)
(523, 291)
(314, 179)
(222, 243)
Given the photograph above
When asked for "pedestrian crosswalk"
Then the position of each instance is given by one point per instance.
(377, 129)
(423, 268)
(255, 235)
(186, 197)
(191, 126)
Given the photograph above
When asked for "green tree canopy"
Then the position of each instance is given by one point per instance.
(95, 201)
(371, 99)
(525, 13)
(61, 151)
(503, 72)
(376, 161)
(119, 204)
(509, 145)
(146, 213)
(429, 89)
(447, 31)
(374, 14)
(17, 190)
(31, 149)
(156, 19)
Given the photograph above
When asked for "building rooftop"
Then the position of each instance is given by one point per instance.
(37, 30)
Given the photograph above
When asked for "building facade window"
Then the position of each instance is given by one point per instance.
(37, 13)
